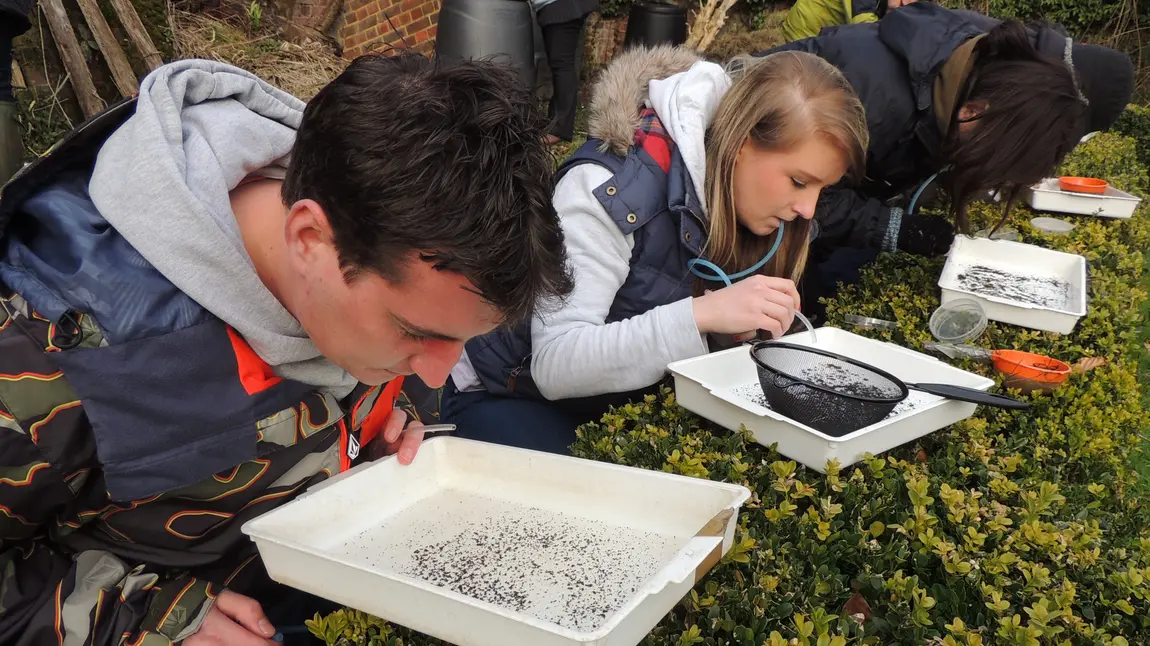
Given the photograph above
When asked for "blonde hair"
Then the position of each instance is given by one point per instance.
(776, 102)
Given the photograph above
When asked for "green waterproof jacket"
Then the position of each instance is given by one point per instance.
(808, 17)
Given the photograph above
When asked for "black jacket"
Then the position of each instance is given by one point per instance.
(892, 65)
(565, 11)
(14, 17)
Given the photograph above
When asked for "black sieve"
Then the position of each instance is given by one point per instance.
(837, 395)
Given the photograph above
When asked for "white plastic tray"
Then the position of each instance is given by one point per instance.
(1048, 196)
(1020, 258)
(704, 386)
(641, 538)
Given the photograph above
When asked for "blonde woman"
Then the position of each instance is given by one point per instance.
(692, 176)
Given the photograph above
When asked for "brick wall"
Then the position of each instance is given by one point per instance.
(365, 27)
(603, 40)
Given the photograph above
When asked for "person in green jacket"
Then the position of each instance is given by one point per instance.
(808, 17)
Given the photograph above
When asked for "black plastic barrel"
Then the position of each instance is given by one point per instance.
(499, 29)
(655, 23)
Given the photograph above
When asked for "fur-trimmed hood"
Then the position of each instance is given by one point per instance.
(684, 90)
(621, 90)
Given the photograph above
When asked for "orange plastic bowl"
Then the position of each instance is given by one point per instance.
(1029, 372)
(1030, 366)
(1083, 185)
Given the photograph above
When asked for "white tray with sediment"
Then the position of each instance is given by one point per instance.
(485, 545)
(1017, 283)
(1048, 195)
(724, 388)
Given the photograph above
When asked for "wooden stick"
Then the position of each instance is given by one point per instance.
(122, 73)
(73, 57)
(17, 75)
(135, 28)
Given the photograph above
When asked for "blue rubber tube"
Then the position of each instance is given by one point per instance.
(718, 275)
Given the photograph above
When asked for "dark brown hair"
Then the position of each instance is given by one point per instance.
(447, 162)
(1033, 117)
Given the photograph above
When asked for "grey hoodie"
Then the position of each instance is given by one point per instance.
(162, 180)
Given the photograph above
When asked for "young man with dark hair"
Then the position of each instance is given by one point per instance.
(210, 295)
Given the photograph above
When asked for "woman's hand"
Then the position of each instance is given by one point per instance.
(755, 303)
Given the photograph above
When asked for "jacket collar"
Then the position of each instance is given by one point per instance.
(924, 35)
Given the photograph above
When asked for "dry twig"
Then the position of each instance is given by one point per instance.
(708, 22)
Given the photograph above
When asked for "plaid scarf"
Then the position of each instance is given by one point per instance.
(653, 138)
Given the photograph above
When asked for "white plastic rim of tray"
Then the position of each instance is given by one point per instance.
(300, 542)
(1022, 258)
(1048, 195)
(701, 384)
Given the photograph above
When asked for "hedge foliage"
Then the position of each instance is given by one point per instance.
(1135, 123)
(1007, 528)
(1078, 17)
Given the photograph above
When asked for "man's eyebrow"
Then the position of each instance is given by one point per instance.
(415, 330)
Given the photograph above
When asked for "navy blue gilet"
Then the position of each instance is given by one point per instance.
(659, 207)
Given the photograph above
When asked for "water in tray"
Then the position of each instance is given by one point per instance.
(559, 568)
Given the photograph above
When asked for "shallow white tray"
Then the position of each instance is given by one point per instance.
(1025, 259)
(705, 385)
(1048, 196)
(372, 539)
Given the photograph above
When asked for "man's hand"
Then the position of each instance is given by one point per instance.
(397, 439)
(895, 4)
(234, 620)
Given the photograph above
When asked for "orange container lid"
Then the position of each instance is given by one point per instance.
(1083, 185)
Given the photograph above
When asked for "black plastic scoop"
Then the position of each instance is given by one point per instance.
(837, 395)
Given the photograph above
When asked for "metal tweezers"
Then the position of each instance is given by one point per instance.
(438, 429)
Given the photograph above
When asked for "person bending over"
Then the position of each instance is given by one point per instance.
(691, 176)
(210, 294)
(957, 101)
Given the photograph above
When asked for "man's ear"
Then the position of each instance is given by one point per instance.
(308, 234)
(972, 110)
